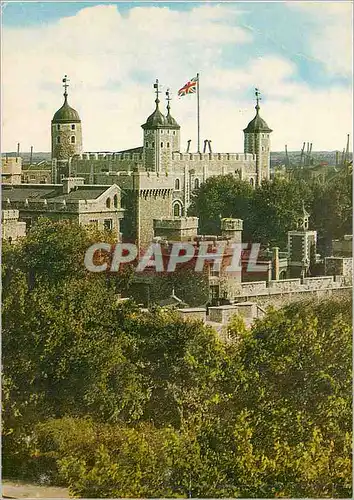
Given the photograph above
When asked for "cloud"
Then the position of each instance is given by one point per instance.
(112, 59)
(331, 33)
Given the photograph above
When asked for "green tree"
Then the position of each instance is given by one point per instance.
(297, 392)
(275, 209)
(220, 196)
(332, 210)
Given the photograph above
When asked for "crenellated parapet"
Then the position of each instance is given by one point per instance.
(186, 157)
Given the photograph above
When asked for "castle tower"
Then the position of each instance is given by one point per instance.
(257, 141)
(66, 130)
(161, 137)
(301, 246)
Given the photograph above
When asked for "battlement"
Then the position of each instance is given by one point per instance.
(279, 292)
(213, 156)
(109, 156)
(7, 215)
(229, 224)
(179, 223)
(145, 180)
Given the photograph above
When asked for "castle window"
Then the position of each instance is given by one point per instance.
(73, 126)
(115, 201)
(108, 203)
(263, 148)
(58, 127)
(146, 144)
(177, 210)
(107, 224)
(72, 139)
(168, 144)
(58, 139)
(196, 184)
(252, 182)
(162, 144)
(177, 185)
(174, 132)
(153, 144)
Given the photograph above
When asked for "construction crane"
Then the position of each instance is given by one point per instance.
(287, 162)
(346, 156)
(302, 155)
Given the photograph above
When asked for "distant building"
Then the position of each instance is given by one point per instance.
(37, 173)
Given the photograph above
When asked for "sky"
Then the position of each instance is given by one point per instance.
(299, 55)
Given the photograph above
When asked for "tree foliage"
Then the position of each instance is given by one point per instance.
(115, 401)
(220, 196)
(272, 209)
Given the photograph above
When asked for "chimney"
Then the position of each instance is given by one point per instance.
(205, 145)
(209, 143)
(70, 183)
(188, 145)
(275, 262)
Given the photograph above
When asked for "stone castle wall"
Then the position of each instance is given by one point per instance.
(281, 292)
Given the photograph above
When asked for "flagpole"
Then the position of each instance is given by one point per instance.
(198, 115)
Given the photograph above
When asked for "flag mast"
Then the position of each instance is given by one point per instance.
(198, 115)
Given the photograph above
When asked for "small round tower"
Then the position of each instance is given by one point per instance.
(66, 130)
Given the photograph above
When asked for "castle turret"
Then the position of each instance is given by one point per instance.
(161, 136)
(66, 130)
(257, 141)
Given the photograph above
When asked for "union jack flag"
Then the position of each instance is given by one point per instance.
(189, 88)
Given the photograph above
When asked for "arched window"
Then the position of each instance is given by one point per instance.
(177, 209)
(73, 126)
(252, 182)
(196, 184)
(73, 140)
(115, 201)
(168, 144)
(146, 144)
(108, 203)
(162, 144)
(58, 139)
(177, 185)
(153, 144)
(58, 126)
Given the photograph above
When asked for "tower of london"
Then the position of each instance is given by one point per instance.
(159, 154)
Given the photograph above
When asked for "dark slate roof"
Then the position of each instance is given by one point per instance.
(66, 114)
(82, 193)
(52, 192)
(19, 192)
(257, 124)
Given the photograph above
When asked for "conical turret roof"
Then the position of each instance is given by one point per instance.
(66, 114)
(257, 124)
